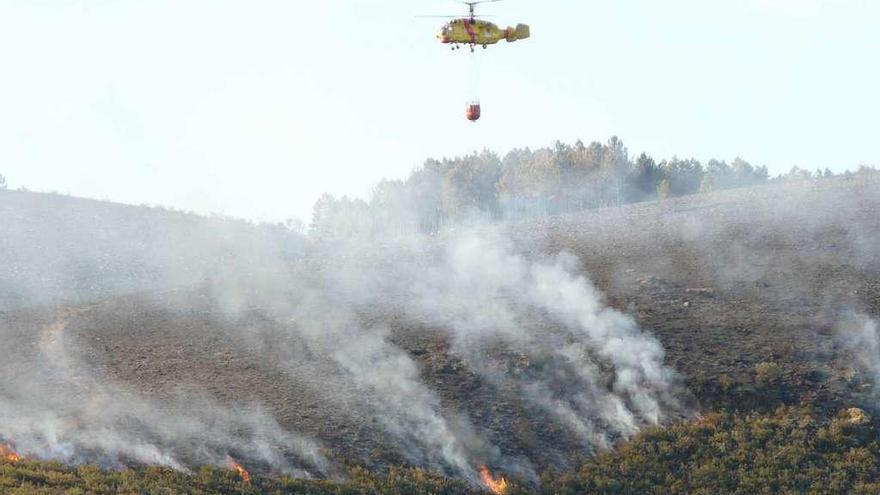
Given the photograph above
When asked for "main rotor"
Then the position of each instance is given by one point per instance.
(472, 5)
(471, 10)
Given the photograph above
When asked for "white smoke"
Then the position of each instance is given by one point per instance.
(385, 377)
(485, 293)
(55, 406)
(532, 325)
(859, 335)
(594, 370)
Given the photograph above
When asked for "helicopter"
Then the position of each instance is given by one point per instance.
(472, 31)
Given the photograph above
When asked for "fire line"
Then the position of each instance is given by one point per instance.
(498, 486)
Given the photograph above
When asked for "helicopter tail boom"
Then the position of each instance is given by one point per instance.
(520, 32)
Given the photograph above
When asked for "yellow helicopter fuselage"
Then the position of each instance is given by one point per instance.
(477, 32)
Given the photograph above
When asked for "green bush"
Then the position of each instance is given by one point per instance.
(767, 373)
(33, 477)
(790, 450)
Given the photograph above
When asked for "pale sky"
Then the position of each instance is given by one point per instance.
(253, 108)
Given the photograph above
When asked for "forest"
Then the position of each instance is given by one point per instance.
(527, 183)
(523, 184)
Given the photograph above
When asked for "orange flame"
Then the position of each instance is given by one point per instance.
(7, 452)
(235, 466)
(498, 486)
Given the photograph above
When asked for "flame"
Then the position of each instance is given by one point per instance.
(498, 486)
(7, 452)
(235, 466)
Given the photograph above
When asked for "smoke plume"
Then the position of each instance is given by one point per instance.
(340, 321)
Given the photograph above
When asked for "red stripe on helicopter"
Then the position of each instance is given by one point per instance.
(470, 30)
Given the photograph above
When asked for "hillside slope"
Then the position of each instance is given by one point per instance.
(750, 293)
(59, 248)
(733, 279)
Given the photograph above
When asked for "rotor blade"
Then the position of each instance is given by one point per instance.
(480, 1)
(451, 16)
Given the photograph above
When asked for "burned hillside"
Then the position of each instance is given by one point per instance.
(521, 346)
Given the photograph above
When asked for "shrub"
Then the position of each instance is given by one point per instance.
(767, 373)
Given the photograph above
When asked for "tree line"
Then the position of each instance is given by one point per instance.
(527, 183)
(524, 184)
